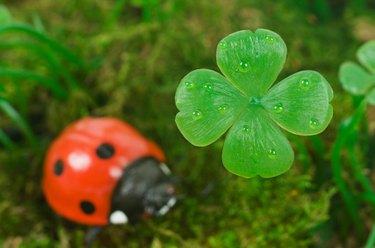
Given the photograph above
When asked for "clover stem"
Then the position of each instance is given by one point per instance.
(337, 168)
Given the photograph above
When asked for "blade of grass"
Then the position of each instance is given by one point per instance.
(323, 10)
(371, 239)
(54, 64)
(358, 5)
(19, 121)
(4, 139)
(20, 99)
(56, 89)
(116, 12)
(38, 24)
(301, 151)
(69, 56)
(361, 178)
(151, 9)
(318, 145)
(340, 143)
(366, 197)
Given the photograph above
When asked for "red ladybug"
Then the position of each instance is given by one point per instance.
(101, 171)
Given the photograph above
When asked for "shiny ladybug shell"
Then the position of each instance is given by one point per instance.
(84, 164)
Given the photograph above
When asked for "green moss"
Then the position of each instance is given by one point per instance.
(140, 65)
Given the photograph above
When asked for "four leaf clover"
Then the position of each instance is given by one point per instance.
(357, 80)
(243, 102)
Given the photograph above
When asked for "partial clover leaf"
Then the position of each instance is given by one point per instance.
(242, 102)
(357, 80)
(5, 16)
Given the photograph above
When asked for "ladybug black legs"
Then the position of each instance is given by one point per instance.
(91, 235)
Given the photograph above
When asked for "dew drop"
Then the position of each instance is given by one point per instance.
(246, 129)
(270, 39)
(223, 45)
(208, 87)
(197, 115)
(223, 108)
(244, 66)
(304, 84)
(272, 153)
(314, 123)
(278, 108)
(189, 85)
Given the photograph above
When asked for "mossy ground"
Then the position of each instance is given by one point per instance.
(140, 61)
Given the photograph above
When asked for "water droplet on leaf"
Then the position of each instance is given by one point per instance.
(223, 108)
(272, 153)
(189, 85)
(314, 123)
(246, 129)
(304, 84)
(270, 39)
(197, 115)
(208, 87)
(278, 108)
(223, 45)
(244, 66)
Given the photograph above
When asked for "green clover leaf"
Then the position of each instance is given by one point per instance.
(357, 80)
(5, 16)
(242, 102)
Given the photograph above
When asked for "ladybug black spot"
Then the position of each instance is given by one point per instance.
(87, 207)
(105, 151)
(58, 167)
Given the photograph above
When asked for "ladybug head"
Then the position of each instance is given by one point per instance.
(144, 187)
(159, 199)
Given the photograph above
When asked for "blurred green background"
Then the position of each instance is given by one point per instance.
(125, 58)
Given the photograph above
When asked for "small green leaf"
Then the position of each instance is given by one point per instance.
(208, 105)
(300, 103)
(366, 55)
(5, 16)
(371, 97)
(256, 146)
(251, 61)
(355, 79)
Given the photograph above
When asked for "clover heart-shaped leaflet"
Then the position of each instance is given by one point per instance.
(242, 102)
(357, 80)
